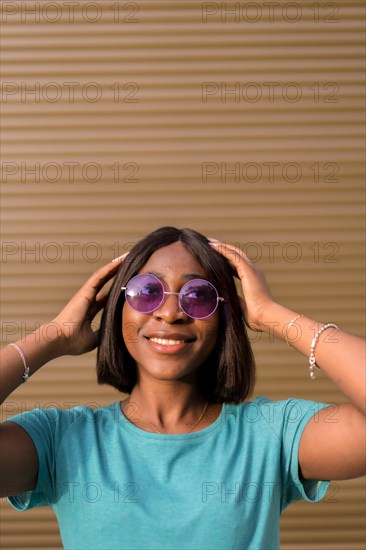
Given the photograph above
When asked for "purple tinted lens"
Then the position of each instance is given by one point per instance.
(144, 293)
(198, 298)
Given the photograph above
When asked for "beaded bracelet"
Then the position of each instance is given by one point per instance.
(26, 368)
(312, 363)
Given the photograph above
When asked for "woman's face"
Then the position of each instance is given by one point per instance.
(169, 358)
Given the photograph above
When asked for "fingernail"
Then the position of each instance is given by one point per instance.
(119, 258)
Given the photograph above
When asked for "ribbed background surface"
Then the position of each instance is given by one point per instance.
(248, 127)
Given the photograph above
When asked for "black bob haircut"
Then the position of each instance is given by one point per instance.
(228, 374)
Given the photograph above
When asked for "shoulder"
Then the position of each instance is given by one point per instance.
(56, 421)
(270, 430)
(272, 415)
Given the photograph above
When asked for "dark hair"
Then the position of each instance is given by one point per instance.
(228, 375)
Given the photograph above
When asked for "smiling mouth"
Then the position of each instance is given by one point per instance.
(168, 341)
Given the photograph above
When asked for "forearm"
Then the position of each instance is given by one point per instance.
(70, 333)
(39, 348)
(339, 354)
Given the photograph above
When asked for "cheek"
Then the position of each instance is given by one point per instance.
(130, 325)
(210, 331)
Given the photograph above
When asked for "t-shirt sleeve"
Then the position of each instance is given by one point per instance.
(295, 414)
(45, 427)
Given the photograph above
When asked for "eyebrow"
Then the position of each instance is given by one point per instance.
(186, 276)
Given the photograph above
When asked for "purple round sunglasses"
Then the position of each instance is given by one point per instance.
(197, 298)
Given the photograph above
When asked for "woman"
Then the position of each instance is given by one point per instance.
(185, 461)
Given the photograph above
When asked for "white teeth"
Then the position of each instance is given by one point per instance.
(166, 342)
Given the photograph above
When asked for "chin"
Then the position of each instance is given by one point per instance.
(169, 372)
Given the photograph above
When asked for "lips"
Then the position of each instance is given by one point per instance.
(170, 339)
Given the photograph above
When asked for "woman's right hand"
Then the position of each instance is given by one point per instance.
(70, 333)
(73, 326)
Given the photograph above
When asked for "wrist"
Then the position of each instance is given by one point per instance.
(32, 352)
(48, 340)
(271, 316)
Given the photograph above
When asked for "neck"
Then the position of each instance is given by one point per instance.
(166, 406)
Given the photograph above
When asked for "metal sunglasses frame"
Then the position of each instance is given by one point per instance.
(179, 294)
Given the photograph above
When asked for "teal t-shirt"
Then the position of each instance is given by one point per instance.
(115, 486)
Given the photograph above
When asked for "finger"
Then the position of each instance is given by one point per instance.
(239, 261)
(98, 279)
(120, 258)
(229, 249)
(99, 303)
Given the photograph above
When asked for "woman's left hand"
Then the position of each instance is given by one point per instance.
(256, 292)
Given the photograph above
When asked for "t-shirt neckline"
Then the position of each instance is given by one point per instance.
(127, 425)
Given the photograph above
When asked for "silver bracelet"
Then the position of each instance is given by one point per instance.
(312, 363)
(26, 368)
(289, 325)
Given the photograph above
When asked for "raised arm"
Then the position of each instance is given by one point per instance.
(327, 450)
(70, 333)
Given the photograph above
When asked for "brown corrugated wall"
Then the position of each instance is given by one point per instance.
(241, 120)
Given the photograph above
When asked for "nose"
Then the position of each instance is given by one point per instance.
(170, 310)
